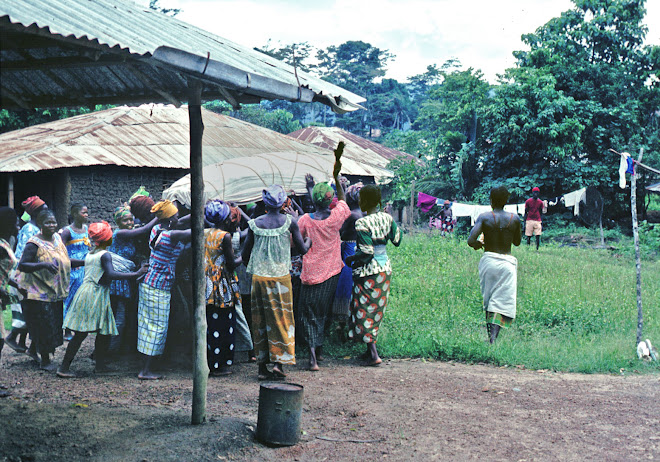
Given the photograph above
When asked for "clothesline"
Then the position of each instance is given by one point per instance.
(637, 163)
(426, 202)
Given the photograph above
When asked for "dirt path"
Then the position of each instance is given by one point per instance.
(421, 411)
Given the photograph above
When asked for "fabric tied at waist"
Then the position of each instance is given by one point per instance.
(380, 254)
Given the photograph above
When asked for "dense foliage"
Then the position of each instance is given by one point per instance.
(586, 83)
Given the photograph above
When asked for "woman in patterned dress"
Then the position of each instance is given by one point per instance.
(123, 297)
(371, 271)
(16, 339)
(90, 309)
(44, 273)
(76, 239)
(222, 291)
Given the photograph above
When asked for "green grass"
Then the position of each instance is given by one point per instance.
(576, 308)
(6, 318)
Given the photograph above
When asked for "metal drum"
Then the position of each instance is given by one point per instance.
(280, 413)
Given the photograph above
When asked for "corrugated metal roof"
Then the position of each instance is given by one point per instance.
(654, 188)
(357, 148)
(127, 49)
(147, 136)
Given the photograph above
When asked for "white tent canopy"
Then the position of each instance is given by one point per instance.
(242, 179)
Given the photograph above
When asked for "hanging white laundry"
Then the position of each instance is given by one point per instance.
(573, 199)
(518, 209)
(623, 166)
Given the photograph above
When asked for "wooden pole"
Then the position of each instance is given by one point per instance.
(638, 261)
(10, 191)
(200, 367)
(412, 205)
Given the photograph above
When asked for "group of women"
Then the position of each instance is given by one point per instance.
(64, 285)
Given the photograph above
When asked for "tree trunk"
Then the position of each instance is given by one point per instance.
(200, 367)
(638, 261)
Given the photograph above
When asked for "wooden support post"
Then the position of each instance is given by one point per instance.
(638, 261)
(412, 205)
(200, 367)
(10, 191)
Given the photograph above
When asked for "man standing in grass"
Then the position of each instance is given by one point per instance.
(497, 268)
(533, 208)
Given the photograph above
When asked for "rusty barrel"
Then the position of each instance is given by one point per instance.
(280, 413)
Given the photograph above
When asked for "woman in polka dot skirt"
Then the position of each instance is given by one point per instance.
(222, 291)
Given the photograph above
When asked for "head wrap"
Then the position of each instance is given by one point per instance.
(353, 192)
(274, 196)
(100, 232)
(121, 212)
(31, 204)
(446, 203)
(216, 211)
(164, 209)
(536, 189)
(322, 194)
(141, 206)
(140, 192)
(235, 214)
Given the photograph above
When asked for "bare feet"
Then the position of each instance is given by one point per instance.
(372, 363)
(222, 371)
(68, 374)
(313, 366)
(278, 372)
(147, 375)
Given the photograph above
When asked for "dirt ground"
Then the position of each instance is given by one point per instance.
(405, 410)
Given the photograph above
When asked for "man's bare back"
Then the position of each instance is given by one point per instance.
(500, 229)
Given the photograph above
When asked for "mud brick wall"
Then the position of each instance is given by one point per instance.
(103, 188)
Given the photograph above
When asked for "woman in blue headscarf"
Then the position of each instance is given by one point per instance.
(222, 291)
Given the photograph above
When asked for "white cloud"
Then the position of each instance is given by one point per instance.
(482, 34)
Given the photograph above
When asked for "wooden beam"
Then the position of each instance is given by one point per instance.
(20, 102)
(229, 98)
(151, 84)
(200, 366)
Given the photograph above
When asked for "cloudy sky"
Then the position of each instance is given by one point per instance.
(481, 34)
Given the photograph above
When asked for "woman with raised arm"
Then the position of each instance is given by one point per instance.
(123, 298)
(322, 264)
(267, 252)
(166, 243)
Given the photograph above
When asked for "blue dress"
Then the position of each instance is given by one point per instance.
(78, 247)
(124, 248)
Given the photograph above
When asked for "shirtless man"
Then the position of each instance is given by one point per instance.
(497, 268)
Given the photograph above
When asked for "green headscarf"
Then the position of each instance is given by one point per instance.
(140, 192)
(121, 212)
(322, 194)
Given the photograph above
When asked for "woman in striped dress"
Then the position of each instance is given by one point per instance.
(166, 244)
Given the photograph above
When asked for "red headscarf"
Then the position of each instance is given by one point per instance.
(141, 206)
(100, 232)
(31, 204)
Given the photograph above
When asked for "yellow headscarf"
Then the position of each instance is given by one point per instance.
(164, 209)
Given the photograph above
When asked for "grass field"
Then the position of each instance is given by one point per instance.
(576, 308)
